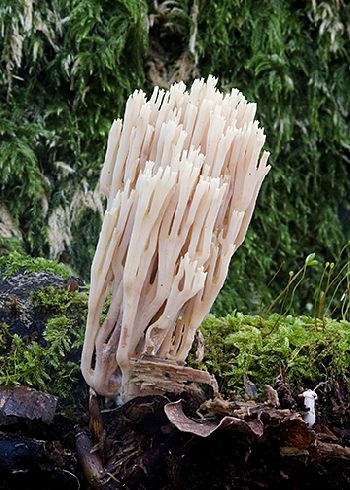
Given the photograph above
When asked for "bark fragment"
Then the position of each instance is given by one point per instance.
(26, 403)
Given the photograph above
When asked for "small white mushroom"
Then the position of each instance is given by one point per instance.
(310, 398)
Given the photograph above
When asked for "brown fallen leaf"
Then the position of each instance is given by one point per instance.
(205, 427)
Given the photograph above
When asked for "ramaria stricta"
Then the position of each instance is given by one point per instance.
(181, 176)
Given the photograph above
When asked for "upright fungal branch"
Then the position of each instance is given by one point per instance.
(181, 175)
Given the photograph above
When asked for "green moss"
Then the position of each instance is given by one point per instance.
(78, 76)
(43, 367)
(4, 335)
(15, 261)
(10, 245)
(51, 363)
(62, 335)
(59, 300)
(24, 364)
(306, 351)
(281, 55)
(90, 222)
(82, 59)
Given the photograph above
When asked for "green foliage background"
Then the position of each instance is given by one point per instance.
(67, 68)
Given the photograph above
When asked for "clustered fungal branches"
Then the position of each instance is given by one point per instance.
(181, 176)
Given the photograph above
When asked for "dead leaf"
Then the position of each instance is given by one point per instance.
(205, 427)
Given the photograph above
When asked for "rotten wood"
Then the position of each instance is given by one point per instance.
(161, 377)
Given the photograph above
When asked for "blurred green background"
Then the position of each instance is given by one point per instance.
(67, 68)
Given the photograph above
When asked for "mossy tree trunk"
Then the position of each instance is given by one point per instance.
(67, 68)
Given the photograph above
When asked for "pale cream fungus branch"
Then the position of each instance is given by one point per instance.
(181, 176)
